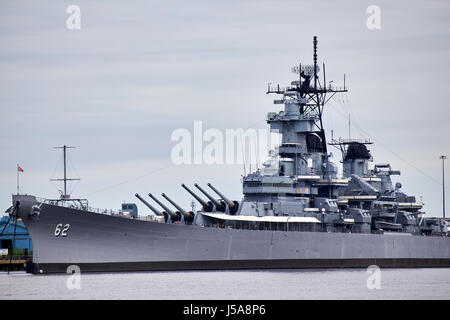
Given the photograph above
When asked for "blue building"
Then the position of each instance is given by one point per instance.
(22, 241)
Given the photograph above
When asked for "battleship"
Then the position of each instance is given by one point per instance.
(296, 210)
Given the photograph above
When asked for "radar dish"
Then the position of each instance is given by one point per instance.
(307, 70)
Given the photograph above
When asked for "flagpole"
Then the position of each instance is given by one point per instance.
(17, 169)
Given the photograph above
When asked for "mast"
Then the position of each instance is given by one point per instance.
(443, 184)
(65, 176)
(315, 61)
(312, 96)
(65, 196)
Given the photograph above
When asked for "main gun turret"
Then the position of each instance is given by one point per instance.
(220, 205)
(156, 211)
(207, 206)
(188, 215)
(233, 206)
(174, 216)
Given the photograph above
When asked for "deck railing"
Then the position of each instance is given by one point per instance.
(79, 205)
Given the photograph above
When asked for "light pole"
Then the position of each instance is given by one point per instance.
(443, 184)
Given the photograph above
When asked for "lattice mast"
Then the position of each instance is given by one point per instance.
(312, 93)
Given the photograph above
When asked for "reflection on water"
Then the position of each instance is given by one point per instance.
(431, 283)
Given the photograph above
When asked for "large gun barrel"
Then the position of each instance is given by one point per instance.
(174, 216)
(174, 204)
(220, 206)
(232, 205)
(156, 211)
(188, 215)
(207, 206)
(368, 188)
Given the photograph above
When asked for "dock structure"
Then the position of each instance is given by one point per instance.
(15, 245)
(14, 263)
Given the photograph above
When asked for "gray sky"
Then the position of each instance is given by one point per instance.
(134, 72)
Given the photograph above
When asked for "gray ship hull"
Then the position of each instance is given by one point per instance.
(104, 243)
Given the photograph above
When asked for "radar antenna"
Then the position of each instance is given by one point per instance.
(312, 96)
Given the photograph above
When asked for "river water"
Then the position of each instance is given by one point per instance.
(431, 283)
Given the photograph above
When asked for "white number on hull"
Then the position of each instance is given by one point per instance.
(61, 230)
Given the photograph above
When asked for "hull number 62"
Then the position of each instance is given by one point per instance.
(61, 230)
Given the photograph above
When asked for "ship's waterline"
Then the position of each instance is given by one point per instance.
(101, 242)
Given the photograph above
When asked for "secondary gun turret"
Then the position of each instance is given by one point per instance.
(220, 205)
(207, 206)
(188, 215)
(174, 216)
(156, 211)
(233, 206)
(384, 172)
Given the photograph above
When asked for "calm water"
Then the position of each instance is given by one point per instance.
(273, 284)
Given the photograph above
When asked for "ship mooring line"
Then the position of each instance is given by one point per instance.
(135, 178)
(78, 176)
(10, 216)
(13, 243)
(130, 180)
(358, 127)
(6, 224)
(53, 174)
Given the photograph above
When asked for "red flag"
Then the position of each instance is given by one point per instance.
(19, 169)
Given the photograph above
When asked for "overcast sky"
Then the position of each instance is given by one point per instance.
(117, 88)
